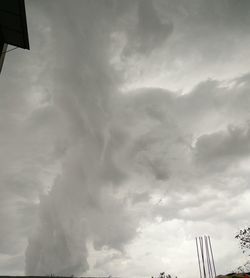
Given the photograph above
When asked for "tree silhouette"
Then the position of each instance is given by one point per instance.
(163, 275)
(244, 237)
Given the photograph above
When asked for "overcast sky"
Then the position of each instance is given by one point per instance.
(125, 133)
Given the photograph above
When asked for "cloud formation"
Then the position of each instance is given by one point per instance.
(98, 179)
(147, 31)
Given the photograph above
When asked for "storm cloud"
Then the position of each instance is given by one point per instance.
(125, 134)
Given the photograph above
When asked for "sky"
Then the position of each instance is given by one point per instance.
(125, 134)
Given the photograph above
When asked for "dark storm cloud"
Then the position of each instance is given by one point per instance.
(148, 31)
(203, 15)
(140, 197)
(155, 137)
(206, 41)
(79, 205)
(224, 148)
(84, 162)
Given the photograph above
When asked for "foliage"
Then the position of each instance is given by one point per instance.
(163, 275)
(244, 238)
(243, 269)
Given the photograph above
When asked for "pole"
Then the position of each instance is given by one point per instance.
(198, 257)
(202, 255)
(212, 255)
(208, 259)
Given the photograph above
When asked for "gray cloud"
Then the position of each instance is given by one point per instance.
(79, 205)
(147, 31)
(224, 148)
(205, 34)
(85, 162)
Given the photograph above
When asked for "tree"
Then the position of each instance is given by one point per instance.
(244, 238)
(243, 269)
(164, 275)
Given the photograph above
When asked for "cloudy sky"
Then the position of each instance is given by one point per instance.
(125, 133)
